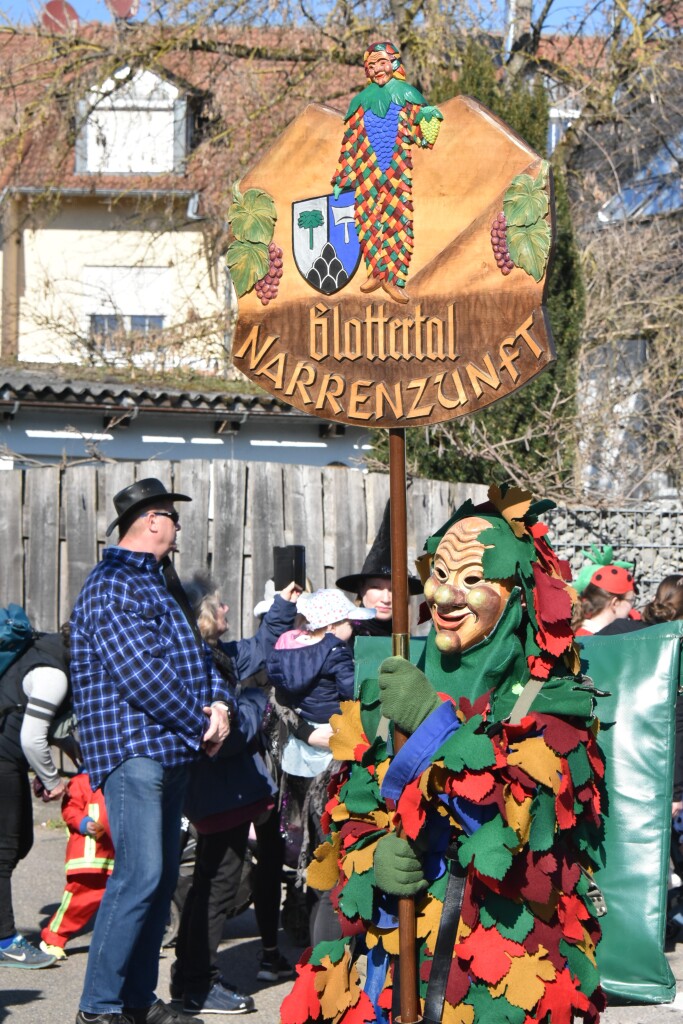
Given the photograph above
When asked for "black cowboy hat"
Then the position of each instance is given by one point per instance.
(139, 494)
(378, 563)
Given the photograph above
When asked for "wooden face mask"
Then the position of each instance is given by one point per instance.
(464, 606)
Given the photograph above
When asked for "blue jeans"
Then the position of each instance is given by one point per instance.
(144, 803)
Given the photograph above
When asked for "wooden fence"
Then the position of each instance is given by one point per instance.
(53, 521)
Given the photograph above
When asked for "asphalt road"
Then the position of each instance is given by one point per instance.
(51, 996)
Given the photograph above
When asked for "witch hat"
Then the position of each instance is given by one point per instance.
(377, 563)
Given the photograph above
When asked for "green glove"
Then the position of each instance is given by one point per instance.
(397, 867)
(405, 693)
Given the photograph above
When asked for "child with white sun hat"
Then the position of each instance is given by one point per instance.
(312, 671)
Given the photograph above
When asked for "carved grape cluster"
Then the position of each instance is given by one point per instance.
(430, 129)
(267, 287)
(500, 245)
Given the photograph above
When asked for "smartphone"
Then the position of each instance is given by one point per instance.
(289, 565)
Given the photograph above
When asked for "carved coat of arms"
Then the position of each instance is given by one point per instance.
(324, 241)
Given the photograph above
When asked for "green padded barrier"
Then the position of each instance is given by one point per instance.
(642, 671)
(368, 654)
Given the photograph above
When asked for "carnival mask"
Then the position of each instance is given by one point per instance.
(464, 606)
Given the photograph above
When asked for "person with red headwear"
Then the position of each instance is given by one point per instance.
(607, 603)
(382, 123)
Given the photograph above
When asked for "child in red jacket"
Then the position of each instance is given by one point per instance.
(89, 862)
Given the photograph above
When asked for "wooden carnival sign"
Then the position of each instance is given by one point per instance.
(408, 294)
(391, 271)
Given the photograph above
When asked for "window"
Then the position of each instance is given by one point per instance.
(104, 325)
(134, 123)
(146, 324)
(125, 309)
(107, 326)
(655, 189)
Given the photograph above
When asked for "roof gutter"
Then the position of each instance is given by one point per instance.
(14, 404)
(121, 193)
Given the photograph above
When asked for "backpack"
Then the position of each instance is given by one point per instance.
(32, 651)
(16, 636)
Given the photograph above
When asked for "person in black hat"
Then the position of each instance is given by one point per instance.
(142, 494)
(372, 584)
(148, 699)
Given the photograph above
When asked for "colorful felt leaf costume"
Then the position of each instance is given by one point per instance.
(512, 808)
(382, 123)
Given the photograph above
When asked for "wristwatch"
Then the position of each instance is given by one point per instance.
(230, 708)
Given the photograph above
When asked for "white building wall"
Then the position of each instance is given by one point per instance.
(89, 252)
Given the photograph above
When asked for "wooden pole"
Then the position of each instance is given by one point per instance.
(400, 645)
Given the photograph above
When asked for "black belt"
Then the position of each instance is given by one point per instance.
(445, 939)
(443, 950)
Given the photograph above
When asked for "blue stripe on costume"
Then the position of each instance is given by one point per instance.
(416, 755)
(377, 968)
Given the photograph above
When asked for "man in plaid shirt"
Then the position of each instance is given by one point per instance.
(148, 701)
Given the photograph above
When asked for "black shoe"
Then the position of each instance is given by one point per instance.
(274, 967)
(157, 1013)
(219, 999)
(83, 1017)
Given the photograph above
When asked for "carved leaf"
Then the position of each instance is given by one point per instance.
(526, 200)
(253, 217)
(248, 263)
(529, 247)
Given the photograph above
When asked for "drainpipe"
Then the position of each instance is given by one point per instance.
(11, 276)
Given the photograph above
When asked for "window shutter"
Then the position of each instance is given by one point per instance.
(81, 144)
(180, 135)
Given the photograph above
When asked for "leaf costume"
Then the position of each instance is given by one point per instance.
(382, 123)
(512, 808)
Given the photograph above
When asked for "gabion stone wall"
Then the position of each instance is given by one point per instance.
(651, 536)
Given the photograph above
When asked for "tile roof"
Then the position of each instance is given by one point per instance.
(250, 84)
(34, 389)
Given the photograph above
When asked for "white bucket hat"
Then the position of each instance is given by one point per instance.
(325, 607)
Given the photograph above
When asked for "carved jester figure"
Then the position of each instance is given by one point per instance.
(489, 814)
(382, 123)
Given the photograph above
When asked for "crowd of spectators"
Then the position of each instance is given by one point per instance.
(163, 718)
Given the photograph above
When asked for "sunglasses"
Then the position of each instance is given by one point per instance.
(173, 516)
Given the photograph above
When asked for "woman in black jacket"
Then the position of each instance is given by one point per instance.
(225, 795)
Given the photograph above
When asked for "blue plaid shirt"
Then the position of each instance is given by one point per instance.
(139, 679)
